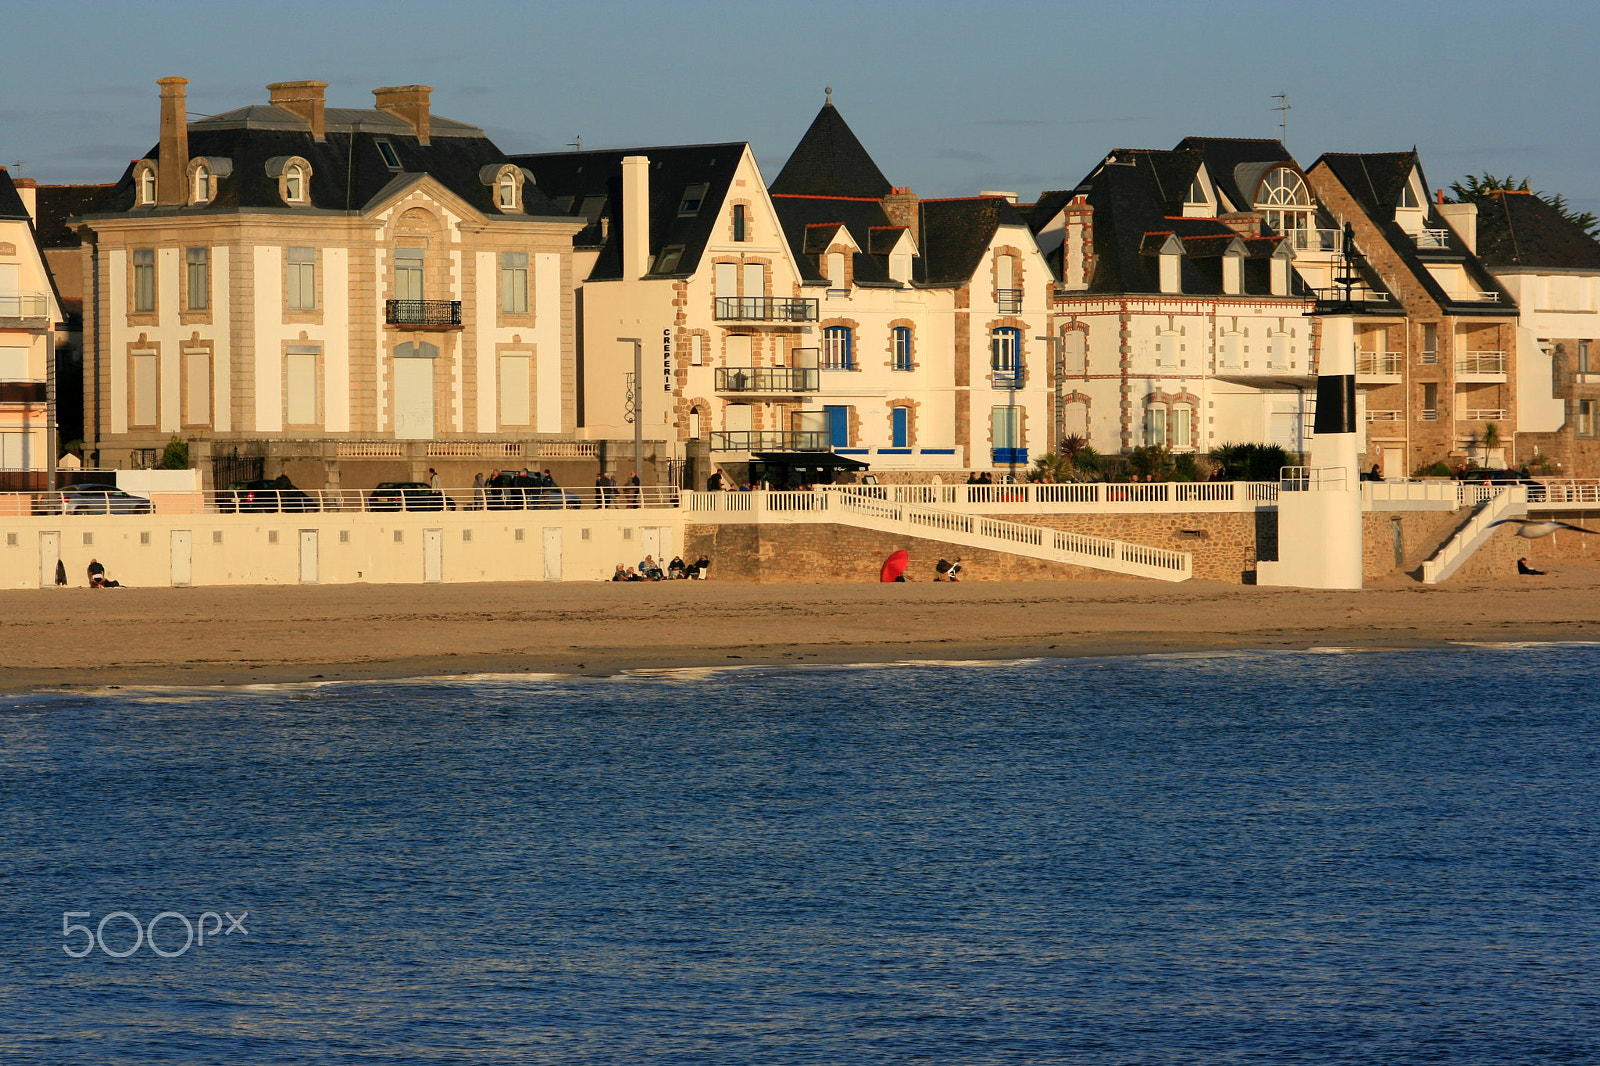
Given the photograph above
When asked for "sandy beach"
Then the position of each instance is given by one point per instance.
(252, 635)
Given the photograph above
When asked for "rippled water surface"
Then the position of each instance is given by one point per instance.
(1379, 857)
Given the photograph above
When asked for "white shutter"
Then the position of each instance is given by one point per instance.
(146, 388)
(727, 279)
(515, 390)
(197, 367)
(302, 387)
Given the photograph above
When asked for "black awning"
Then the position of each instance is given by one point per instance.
(810, 460)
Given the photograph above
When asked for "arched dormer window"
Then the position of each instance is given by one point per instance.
(507, 191)
(201, 187)
(506, 180)
(294, 178)
(1286, 204)
(144, 180)
(204, 174)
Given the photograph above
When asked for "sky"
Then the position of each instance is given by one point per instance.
(950, 98)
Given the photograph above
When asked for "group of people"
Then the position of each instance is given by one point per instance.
(650, 570)
(608, 494)
(985, 478)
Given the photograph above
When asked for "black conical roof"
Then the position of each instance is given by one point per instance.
(829, 161)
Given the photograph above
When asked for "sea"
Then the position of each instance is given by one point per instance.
(1330, 856)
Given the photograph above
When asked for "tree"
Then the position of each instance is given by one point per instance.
(1475, 187)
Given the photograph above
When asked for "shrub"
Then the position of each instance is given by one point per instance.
(176, 455)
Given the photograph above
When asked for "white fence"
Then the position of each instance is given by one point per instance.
(317, 501)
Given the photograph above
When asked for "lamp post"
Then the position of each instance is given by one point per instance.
(637, 397)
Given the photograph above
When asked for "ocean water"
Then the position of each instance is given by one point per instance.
(1383, 857)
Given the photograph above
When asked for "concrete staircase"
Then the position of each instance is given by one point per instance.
(1016, 538)
(1510, 502)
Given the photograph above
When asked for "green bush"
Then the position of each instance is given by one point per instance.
(1250, 462)
(176, 455)
(1439, 469)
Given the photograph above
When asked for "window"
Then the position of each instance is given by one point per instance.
(1197, 192)
(1408, 197)
(1583, 357)
(507, 190)
(146, 388)
(14, 364)
(697, 350)
(1167, 348)
(390, 159)
(836, 274)
(836, 345)
(1171, 278)
(514, 283)
(408, 274)
(1005, 428)
(516, 390)
(1430, 342)
(741, 229)
(902, 347)
(667, 261)
(1286, 204)
(1005, 357)
(197, 385)
(1155, 425)
(1232, 350)
(15, 455)
(300, 375)
(197, 270)
(1233, 273)
(147, 186)
(294, 184)
(1430, 402)
(838, 426)
(696, 421)
(755, 281)
(302, 279)
(202, 184)
(1585, 418)
(144, 279)
(1278, 350)
(693, 197)
(900, 427)
(1182, 426)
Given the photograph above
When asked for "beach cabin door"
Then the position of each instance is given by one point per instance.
(182, 558)
(308, 557)
(552, 553)
(49, 555)
(652, 543)
(433, 556)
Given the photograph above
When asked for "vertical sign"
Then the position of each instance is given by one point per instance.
(666, 360)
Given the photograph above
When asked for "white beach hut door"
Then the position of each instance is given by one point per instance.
(652, 542)
(182, 558)
(552, 553)
(49, 555)
(308, 557)
(433, 556)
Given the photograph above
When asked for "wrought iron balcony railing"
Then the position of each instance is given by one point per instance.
(1433, 238)
(767, 379)
(1010, 301)
(765, 309)
(422, 314)
(1481, 363)
(1379, 364)
(769, 440)
(1008, 377)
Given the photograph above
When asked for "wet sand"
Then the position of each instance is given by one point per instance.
(207, 636)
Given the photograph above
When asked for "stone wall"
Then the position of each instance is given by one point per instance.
(1421, 534)
(1497, 559)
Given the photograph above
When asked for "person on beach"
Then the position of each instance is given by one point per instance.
(677, 569)
(633, 489)
(1524, 568)
(97, 576)
(620, 575)
(649, 570)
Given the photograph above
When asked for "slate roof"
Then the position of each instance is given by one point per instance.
(12, 209)
(809, 220)
(955, 234)
(1236, 164)
(1519, 230)
(593, 180)
(57, 203)
(1374, 180)
(347, 171)
(830, 161)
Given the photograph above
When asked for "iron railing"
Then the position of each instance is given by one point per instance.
(1008, 377)
(422, 314)
(1010, 301)
(1481, 362)
(765, 309)
(767, 379)
(1380, 364)
(769, 440)
(1481, 414)
(1433, 238)
(1382, 416)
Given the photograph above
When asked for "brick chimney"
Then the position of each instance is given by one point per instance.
(28, 193)
(903, 208)
(409, 102)
(635, 216)
(304, 98)
(174, 162)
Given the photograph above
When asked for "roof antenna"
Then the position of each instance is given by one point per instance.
(828, 93)
(576, 144)
(1283, 109)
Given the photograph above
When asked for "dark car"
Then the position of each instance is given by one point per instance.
(91, 499)
(265, 497)
(407, 496)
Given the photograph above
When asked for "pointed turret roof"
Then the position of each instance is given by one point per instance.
(830, 161)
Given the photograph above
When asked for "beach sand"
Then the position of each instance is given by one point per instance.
(251, 635)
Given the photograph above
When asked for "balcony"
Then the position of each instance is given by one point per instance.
(1010, 301)
(767, 379)
(1334, 294)
(1379, 364)
(1481, 364)
(1008, 377)
(24, 305)
(422, 314)
(1481, 414)
(22, 392)
(769, 440)
(1473, 296)
(1313, 240)
(1433, 238)
(765, 309)
(1383, 416)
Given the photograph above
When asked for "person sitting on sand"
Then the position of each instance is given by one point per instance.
(97, 576)
(677, 568)
(1524, 568)
(633, 575)
(649, 570)
(620, 575)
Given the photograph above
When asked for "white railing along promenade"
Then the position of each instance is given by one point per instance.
(1565, 492)
(312, 501)
(1508, 501)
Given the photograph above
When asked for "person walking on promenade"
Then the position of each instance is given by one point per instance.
(633, 489)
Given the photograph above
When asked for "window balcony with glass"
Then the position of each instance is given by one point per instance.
(790, 379)
(769, 440)
(765, 309)
(24, 305)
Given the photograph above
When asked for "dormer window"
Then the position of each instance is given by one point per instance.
(386, 150)
(506, 191)
(294, 178)
(202, 184)
(506, 181)
(145, 183)
(294, 183)
(1285, 203)
(1197, 192)
(1408, 197)
(667, 261)
(693, 197)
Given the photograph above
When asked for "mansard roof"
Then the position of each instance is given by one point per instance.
(1518, 230)
(589, 185)
(808, 220)
(1236, 164)
(57, 203)
(955, 235)
(830, 161)
(348, 171)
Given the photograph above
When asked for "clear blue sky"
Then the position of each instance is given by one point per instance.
(950, 97)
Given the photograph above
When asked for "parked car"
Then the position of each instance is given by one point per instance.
(91, 499)
(265, 496)
(407, 496)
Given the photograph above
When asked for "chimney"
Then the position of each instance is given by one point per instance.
(635, 216)
(172, 167)
(409, 102)
(305, 99)
(1463, 218)
(28, 192)
(1077, 244)
(903, 207)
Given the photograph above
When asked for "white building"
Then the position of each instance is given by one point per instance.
(29, 314)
